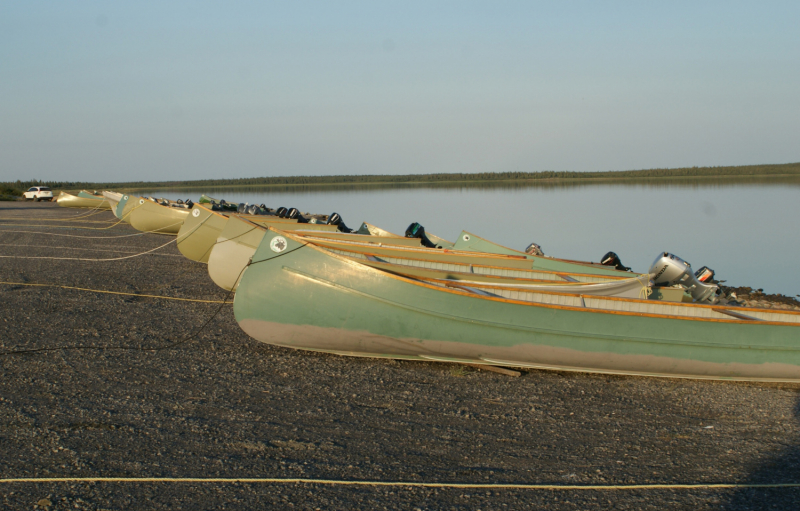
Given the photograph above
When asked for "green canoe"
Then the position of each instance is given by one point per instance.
(441, 258)
(468, 241)
(299, 295)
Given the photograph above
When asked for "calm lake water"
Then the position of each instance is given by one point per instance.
(746, 231)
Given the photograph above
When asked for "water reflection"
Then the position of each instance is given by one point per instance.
(738, 181)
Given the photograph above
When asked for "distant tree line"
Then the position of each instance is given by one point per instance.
(374, 179)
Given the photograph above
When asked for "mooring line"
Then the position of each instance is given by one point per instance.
(93, 211)
(84, 248)
(75, 236)
(110, 292)
(114, 258)
(408, 484)
(87, 259)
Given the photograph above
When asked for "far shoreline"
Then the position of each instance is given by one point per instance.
(787, 173)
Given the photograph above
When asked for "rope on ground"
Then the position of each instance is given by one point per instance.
(92, 249)
(11, 218)
(64, 226)
(112, 258)
(93, 211)
(75, 236)
(132, 348)
(103, 291)
(87, 259)
(408, 484)
(122, 219)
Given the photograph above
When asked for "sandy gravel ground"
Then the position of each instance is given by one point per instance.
(223, 405)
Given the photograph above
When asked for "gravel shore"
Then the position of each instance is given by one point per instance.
(223, 405)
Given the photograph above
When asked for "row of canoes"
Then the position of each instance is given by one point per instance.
(372, 293)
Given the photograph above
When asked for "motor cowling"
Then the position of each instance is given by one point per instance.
(336, 219)
(534, 249)
(670, 270)
(705, 274)
(612, 259)
(281, 212)
(415, 230)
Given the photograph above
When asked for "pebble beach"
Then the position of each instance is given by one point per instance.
(116, 364)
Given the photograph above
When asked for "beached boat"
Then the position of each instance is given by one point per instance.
(363, 311)
(471, 242)
(124, 207)
(149, 216)
(477, 277)
(199, 232)
(67, 200)
(238, 240)
(236, 244)
(372, 230)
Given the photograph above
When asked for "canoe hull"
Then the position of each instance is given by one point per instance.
(238, 242)
(147, 216)
(470, 242)
(345, 342)
(67, 200)
(310, 299)
(199, 233)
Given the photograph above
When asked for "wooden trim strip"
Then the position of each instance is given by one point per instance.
(737, 315)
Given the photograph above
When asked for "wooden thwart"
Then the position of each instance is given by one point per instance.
(737, 315)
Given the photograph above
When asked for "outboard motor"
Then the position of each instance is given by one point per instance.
(242, 209)
(281, 212)
(336, 219)
(292, 213)
(251, 209)
(705, 274)
(415, 230)
(534, 249)
(670, 269)
(612, 259)
(189, 203)
(179, 201)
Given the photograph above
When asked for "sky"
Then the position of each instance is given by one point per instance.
(179, 90)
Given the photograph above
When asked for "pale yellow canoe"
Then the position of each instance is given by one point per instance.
(202, 227)
(148, 216)
(67, 200)
(232, 251)
(113, 199)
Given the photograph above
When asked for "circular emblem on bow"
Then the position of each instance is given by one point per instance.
(196, 212)
(278, 244)
(466, 237)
